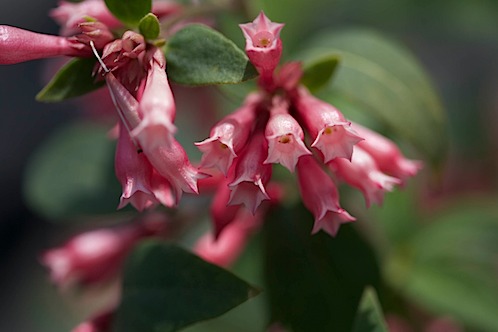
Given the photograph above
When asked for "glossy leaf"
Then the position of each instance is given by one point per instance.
(318, 73)
(72, 174)
(449, 267)
(166, 288)
(149, 26)
(314, 282)
(199, 55)
(72, 80)
(129, 12)
(369, 317)
(384, 80)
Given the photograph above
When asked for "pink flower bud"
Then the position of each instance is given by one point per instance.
(157, 105)
(94, 256)
(285, 137)
(320, 196)
(263, 45)
(229, 136)
(225, 249)
(134, 172)
(68, 15)
(362, 173)
(251, 175)
(18, 45)
(332, 134)
(386, 154)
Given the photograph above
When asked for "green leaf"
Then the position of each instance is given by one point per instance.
(149, 26)
(319, 72)
(166, 288)
(314, 282)
(384, 80)
(369, 317)
(199, 55)
(449, 267)
(72, 80)
(129, 12)
(72, 174)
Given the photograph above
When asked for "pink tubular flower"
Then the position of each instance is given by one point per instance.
(362, 173)
(18, 45)
(285, 137)
(156, 105)
(221, 214)
(97, 32)
(94, 256)
(251, 175)
(387, 155)
(320, 196)
(263, 45)
(99, 323)
(229, 136)
(332, 134)
(134, 172)
(226, 248)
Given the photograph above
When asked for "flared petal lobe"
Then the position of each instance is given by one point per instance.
(320, 196)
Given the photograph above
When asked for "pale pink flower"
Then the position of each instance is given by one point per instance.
(331, 132)
(18, 45)
(251, 175)
(362, 173)
(386, 154)
(134, 172)
(320, 196)
(263, 46)
(229, 136)
(94, 256)
(157, 105)
(285, 137)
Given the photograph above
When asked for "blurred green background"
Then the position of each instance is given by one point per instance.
(456, 41)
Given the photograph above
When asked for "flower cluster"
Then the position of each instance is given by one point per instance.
(273, 126)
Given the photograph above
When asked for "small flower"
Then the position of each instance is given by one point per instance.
(134, 172)
(229, 136)
(332, 134)
(320, 196)
(362, 173)
(285, 137)
(263, 46)
(387, 155)
(222, 214)
(251, 175)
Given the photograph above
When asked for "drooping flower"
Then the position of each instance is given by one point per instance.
(362, 173)
(229, 136)
(285, 137)
(387, 155)
(331, 132)
(320, 196)
(263, 46)
(251, 174)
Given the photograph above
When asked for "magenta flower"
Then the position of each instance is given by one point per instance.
(263, 46)
(284, 136)
(229, 136)
(362, 173)
(387, 155)
(320, 196)
(251, 175)
(331, 132)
